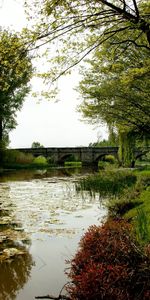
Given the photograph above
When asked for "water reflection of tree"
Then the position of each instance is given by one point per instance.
(15, 270)
(14, 274)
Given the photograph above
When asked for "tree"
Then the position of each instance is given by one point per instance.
(15, 73)
(116, 90)
(80, 27)
(36, 145)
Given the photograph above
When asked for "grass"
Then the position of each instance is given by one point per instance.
(128, 196)
(107, 183)
(113, 260)
(75, 164)
(140, 217)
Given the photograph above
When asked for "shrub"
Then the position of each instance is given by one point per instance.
(109, 265)
(17, 157)
(40, 160)
(110, 158)
(120, 206)
(102, 164)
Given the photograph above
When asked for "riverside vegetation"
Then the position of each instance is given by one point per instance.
(113, 260)
(18, 160)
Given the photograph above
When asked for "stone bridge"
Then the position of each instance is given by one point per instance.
(87, 155)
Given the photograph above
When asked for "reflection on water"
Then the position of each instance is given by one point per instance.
(15, 260)
(14, 274)
(41, 214)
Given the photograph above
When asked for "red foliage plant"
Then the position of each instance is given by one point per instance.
(109, 265)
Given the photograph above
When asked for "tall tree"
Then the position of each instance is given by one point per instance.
(15, 73)
(74, 29)
(116, 90)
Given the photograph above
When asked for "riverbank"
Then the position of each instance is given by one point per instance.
(125, 192)
(113, 260)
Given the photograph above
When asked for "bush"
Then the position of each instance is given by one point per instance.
(109, 265)
(17, 157)
(40, 160)
(102, 165)
(110, 158)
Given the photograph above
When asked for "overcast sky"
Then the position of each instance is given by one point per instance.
(51, 124)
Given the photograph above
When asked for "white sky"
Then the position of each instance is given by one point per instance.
(51, 124)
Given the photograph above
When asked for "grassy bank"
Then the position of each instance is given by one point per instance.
(113, 259)
(127, 193)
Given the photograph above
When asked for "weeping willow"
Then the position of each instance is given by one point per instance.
(126, 148)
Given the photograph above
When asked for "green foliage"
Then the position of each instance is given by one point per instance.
(36, 145)
(16, 71)
(40, 160)
(14, 157)
(134, 205)
(110, 158)
(107, 162)
(70, 30)
(142, 226)
(102, 165)
(109, 265)
(73, 164)
(107, 183)
(115, 90)
(116, 93)
(112, 140)
(126, 148)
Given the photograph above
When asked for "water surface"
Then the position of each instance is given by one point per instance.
(42, 216)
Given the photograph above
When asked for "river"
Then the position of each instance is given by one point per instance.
(43, 217)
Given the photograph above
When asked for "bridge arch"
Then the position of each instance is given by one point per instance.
(102, 157)
(142, 153)
(67, 157)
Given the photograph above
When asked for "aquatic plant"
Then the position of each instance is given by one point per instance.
(142, 226)
(107, 183)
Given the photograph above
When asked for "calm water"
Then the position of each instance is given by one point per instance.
(42, 216)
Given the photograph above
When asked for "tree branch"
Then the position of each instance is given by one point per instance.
(60, 297)
(79, 60)
(136, 8)
(121, 11)
(130, 41)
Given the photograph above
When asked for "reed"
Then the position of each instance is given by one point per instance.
(142, 226)
(107, 183)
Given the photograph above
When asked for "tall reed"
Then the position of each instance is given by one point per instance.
(107, 183)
